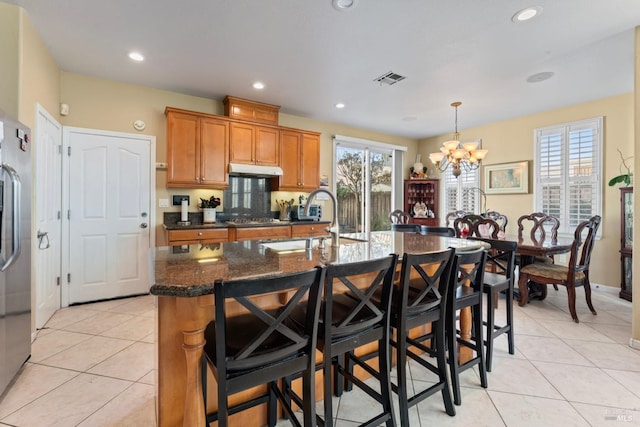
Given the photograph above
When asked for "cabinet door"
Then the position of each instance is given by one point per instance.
(290, 159)
(214, 152)
(310, 164)
(183, 140)
(267, 146)
(241, 143)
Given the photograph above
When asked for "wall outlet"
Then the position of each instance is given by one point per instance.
(163, 203)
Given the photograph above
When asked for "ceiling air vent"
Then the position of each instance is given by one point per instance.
(389, 78)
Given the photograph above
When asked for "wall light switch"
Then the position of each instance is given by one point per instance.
(163, 203)
(161, 165)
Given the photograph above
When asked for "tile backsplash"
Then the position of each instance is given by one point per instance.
(247, 197)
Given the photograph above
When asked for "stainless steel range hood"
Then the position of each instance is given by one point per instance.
(254, 170)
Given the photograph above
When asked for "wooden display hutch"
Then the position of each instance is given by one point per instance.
(422, 191)
(626, 242)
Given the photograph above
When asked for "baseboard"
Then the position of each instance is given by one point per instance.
(604, 288)
(634, 343)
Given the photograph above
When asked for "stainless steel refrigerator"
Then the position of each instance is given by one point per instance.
(15, 247)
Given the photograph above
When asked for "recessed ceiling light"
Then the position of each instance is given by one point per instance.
(540, 77)
(526, 14)
(344, 4)
(258, 85)
(340, 105)
(136, 56)
(409, 119)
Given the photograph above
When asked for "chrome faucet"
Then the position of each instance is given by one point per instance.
(334, 228)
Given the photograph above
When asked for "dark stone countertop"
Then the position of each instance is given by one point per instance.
(191, 271)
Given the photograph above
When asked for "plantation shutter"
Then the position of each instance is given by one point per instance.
(567, 182)
(460, 193)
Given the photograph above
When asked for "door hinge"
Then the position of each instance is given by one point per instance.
(59, 149)
(68, 277)
(69, 151)
(58, 281)
(69, 214)
(59, 215)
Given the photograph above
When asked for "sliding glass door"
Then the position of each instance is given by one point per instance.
(364, 186)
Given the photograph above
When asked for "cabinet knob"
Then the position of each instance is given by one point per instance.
(200, 233)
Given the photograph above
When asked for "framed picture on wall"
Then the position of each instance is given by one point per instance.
(507, 178)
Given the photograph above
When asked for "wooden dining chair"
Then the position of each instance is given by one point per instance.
(451, 216)
(250, 344)
(399, 217)
(501, 219)
(538, 225)
(477, 225)
(575, 274)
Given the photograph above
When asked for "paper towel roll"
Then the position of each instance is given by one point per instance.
(184, 216)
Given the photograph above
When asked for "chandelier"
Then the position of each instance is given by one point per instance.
(457, 155)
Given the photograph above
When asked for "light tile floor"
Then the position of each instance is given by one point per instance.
(93, 365)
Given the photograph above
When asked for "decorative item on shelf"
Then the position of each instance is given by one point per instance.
(208, 207)
(418, 170)
(625, 178)
(457, 155)
(420, 210)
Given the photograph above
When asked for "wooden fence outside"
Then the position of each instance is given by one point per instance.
(348, 212)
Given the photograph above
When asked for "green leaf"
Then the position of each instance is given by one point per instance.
(620, 179)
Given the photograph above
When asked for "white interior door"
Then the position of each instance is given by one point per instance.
(48, 207)
(109, 214)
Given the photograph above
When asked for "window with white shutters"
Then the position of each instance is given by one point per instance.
(461, 193)
(568, 171)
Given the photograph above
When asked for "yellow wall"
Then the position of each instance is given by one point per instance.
(9, 52)
(102, 104)
(512, 141)
(39, 74)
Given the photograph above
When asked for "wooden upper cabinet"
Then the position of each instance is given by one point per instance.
(253, 144)
(310, 161)
(214, 152)
(183, 149)
(252, 111)
(197, 150)
(242, 143)
(267, 146)
(300, 160)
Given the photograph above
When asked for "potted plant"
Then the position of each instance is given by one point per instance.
(625, 177)
(208, 207)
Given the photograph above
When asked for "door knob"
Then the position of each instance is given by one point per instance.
(144, 225)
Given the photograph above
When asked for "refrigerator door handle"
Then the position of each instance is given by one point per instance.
(15, 218)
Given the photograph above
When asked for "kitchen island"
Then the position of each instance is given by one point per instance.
(184, 277)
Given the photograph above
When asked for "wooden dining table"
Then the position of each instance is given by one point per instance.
(528, 249)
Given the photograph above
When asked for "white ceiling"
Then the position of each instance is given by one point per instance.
(311, 56)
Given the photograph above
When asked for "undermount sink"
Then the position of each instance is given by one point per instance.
(301, 244)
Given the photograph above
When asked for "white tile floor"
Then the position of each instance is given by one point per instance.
(93, 366)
